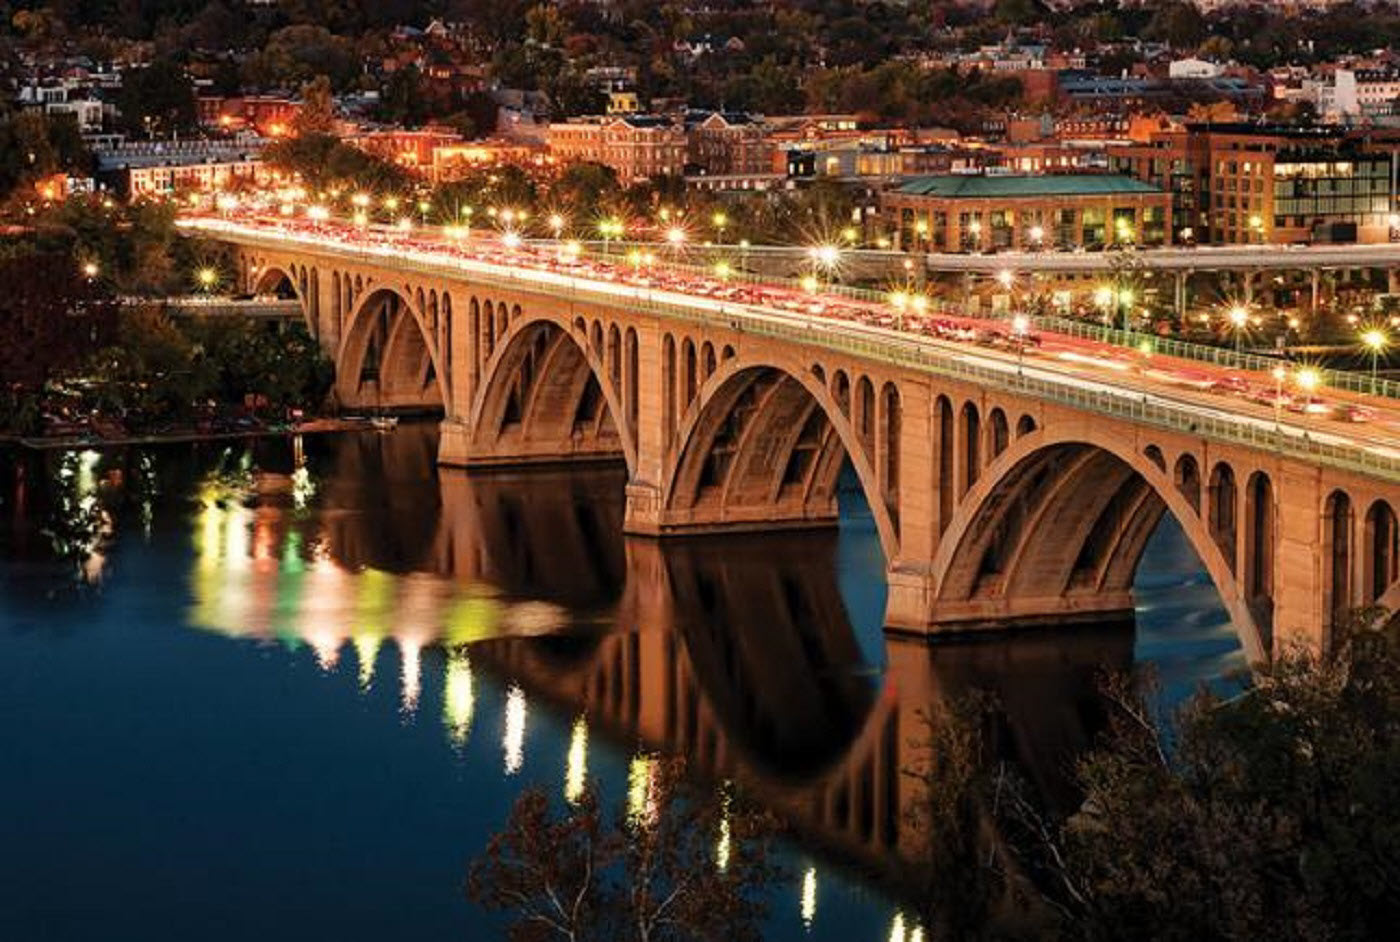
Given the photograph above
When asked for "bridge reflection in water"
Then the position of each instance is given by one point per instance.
(737, 653)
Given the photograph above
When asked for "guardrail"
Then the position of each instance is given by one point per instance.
(1344, 380)
(891, 347)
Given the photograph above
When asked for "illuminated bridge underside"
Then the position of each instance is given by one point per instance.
(993, 506)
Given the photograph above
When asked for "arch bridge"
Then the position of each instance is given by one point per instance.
(1002, 495)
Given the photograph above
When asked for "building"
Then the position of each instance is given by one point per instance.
(636, 147)
(988, 213)
(726, 143)
(164, 168)
(1358, 93)
(413, 150)
(1242, 183)
(266, 115)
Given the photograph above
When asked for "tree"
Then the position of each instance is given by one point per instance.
(51, 317)
(35, 145)
(297, 54)
(402, 99)
(1269, 814)
(157, 99)
(582, 187)
(680, 863)
(317, 112)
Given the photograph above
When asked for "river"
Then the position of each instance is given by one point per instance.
(288, 689)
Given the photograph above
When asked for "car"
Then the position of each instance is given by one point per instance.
(1236, 385)
(1352, 412)
(1309, 404)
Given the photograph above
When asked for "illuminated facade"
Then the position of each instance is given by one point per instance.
(956, 213)
(1245, 184)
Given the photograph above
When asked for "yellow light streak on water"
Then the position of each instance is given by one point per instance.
(458, 698)
(576, 769)
(513, 742)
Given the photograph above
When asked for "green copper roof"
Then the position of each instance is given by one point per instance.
(999, 187)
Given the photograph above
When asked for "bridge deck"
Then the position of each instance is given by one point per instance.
(1070, 378)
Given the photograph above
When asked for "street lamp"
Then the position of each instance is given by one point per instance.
(1019, 324)
(609, 228)
(1278, 373)
(207, 278)
(1037, 234)
(556, 224)
(719, 220)
(1375, 340)
(1308, 379)
(899, 300)
(90, 270)
(1239, 320)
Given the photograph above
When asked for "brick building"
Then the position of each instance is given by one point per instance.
(1242, 183)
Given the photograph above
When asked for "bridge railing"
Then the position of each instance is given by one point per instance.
(906, 351)
(1344, 380)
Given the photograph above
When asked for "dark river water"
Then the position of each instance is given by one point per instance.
(288, 690)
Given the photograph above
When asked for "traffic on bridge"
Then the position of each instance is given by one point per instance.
(1290, 401)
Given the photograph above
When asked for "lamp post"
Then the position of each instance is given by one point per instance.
(899, 300)
(1239, 320)
(1019, 324)
(1375, 340)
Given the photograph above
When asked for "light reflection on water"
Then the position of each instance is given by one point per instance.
(543, 648)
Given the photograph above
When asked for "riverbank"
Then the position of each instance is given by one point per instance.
(311, 427)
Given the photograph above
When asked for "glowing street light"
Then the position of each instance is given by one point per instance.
(1376, 341)
(1279, 373)
(720, 221)
(1308, 379)
(556, 224)
(827, 256)
(809, 283)
(722, 271)
(1005, 277)
(207, 278)
(318, 213)
(676, 236)
(360, 200)
(90, 270)
(1037, 234)
(1239, 320)
(511, 240)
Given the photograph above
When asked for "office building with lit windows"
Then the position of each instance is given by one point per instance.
(977, 213)
(1236, 184)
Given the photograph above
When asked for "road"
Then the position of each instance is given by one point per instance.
(1071, 369)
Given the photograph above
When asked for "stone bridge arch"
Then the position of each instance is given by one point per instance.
(547, 392)
(763, 443)
(269, 277)
(389, 355)
(1030, 540)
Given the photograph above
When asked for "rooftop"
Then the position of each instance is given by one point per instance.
(1000, 187)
